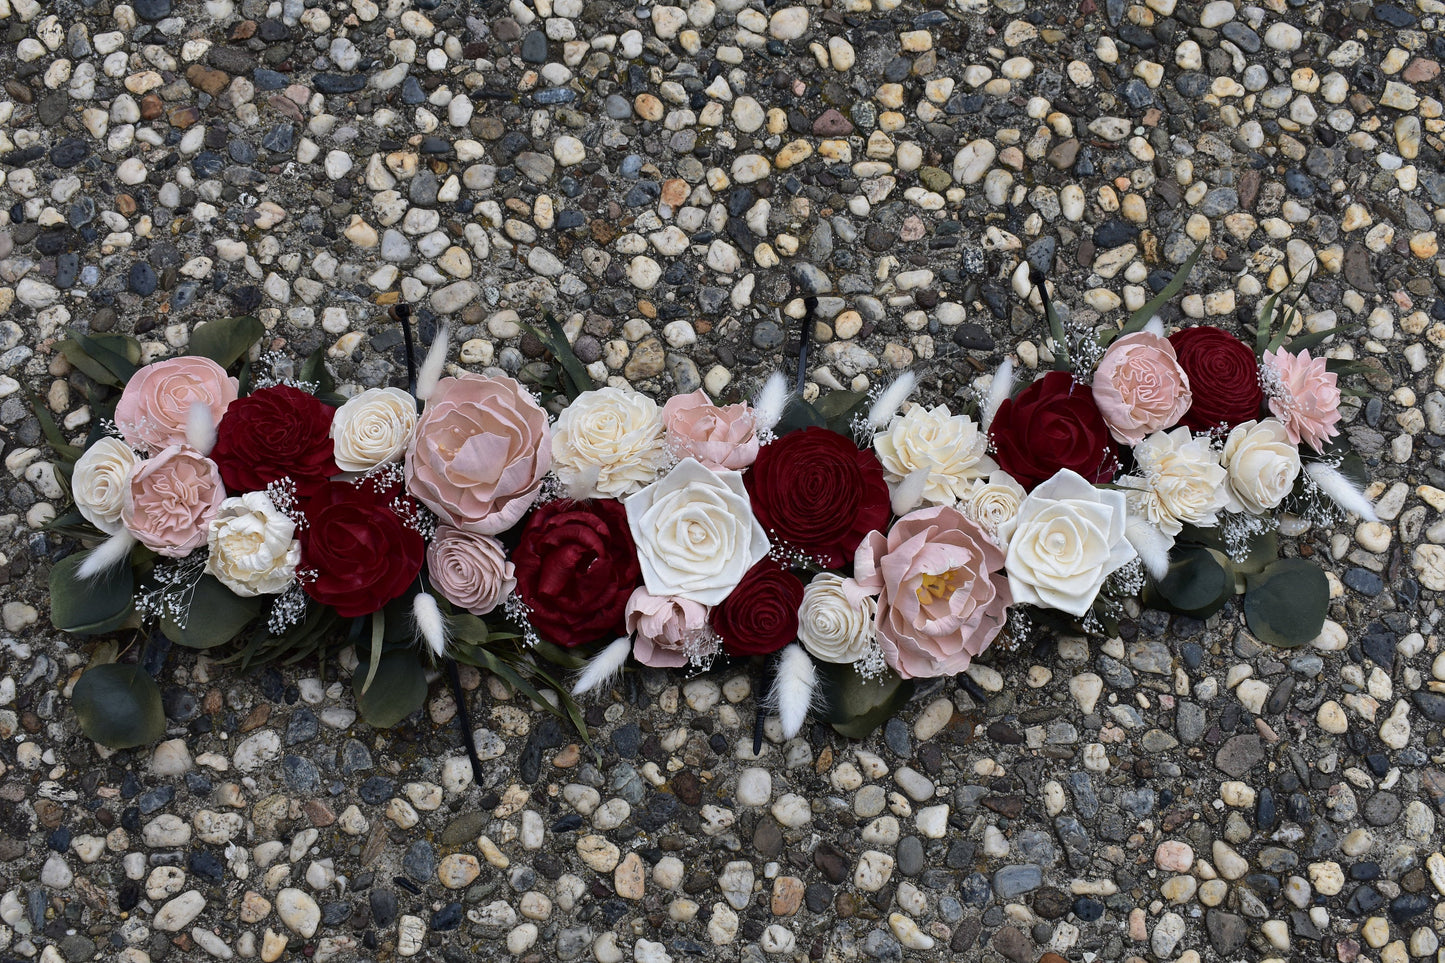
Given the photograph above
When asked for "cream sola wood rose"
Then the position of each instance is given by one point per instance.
(932, 454)
(836, 619)
(1262, 465)
(479, 453)
(373, 429)
(253, 549)
(608, 443)
(99, 482)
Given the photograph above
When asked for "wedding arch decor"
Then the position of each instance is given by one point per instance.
(550, 534)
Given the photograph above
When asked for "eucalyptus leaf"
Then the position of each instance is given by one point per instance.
(90, 607)
(798, 415)
(1286, 604)
(74, 352)
(837, 409)
(118, 706)
(1263, 552)
(398, 691)
(1198, 583)
(226, 340)
(855, 706)
(216, 616)
(53, 436)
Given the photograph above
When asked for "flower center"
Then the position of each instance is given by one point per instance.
(936, 588)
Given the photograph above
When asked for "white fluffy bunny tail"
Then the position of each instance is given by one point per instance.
(998, 392)
(200, 428)
(795, 688)
(770, 403)
(1155, 326)
(431, 368)
(431, 624)
(106, 556)
(1341, 490)
(1151, 544)
(891, 401)
(603, 667)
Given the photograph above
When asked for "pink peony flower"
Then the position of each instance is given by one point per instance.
(662, 628)
(170, 500)
(1304, 395)
(942, 597)
(469, 570)
(721, 438)
(1140, 388)
(479, 454)
(156, 403)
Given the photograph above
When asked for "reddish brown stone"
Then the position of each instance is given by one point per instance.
(204, 78)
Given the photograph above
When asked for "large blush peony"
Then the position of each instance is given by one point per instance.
(170, 500)
(156, 404)
(480, 452)
(941, 597)
(1066, 539)
(1139, 387)
(720, 437)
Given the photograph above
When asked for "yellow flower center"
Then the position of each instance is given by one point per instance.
(936, 588)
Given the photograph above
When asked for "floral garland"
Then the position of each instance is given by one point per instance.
(865, 540)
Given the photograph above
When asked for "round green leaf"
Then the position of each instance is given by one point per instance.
(1286, 604)
(216, 616)
(102, 604)
(225, 340)
(118, 706)
(855, 706)
(1197, 583)
(398, 690)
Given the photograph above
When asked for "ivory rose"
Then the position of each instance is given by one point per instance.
(1067, 537)
(1179, 481)
(373, 428)
(720, 438)
(941, 597)
(1139, 387)
(479, 453)
(171, 499)
(253, 546)
(836, 619)
(663, 627)
(156, 404)
(695, 533)
(99, 482)
(608, 443)
(469, 570)
(950, 449)
(991, 503)
(1262, 466)
(1304, 395)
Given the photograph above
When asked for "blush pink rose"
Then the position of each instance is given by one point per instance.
(1304, 395)
(662, 627)
(720, 438)
(469, 570)
(942, 597)
(1139, 387)
(156, 403)
(479, 453)
(170, 500)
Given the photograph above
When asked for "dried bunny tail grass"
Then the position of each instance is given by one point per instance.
(998, 392)
(1328, 479)
(431, 624)
(603, 667)
(1155, 326)
(795, 689)
(891, 400)
(770, 403)
(1151, 545)
(907, 495)
(106, 556)
(436, 359)
(200, 428)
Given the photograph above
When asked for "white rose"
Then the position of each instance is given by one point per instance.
(608, 443)
(253, 548)
(949, 448)
(1262, 466)
(99, 482)
(1067, 537)
(991, 503)
(1180, 481)
(373, 428)
(836, 619)
(695, 533)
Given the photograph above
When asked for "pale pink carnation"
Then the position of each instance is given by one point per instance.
(720, 438)
(943, 597)
(662, 628)
(170, 500)
(1139, 387)
(1304, 395)
(156, 404)
(469, 570)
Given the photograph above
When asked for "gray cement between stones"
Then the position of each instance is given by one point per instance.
(667, 180)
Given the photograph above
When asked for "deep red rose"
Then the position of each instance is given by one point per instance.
(1223, 375)
(277, 432)
(1053, 424)
(357, 553)
(814, 490)
(761, 614)
(576, 567)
